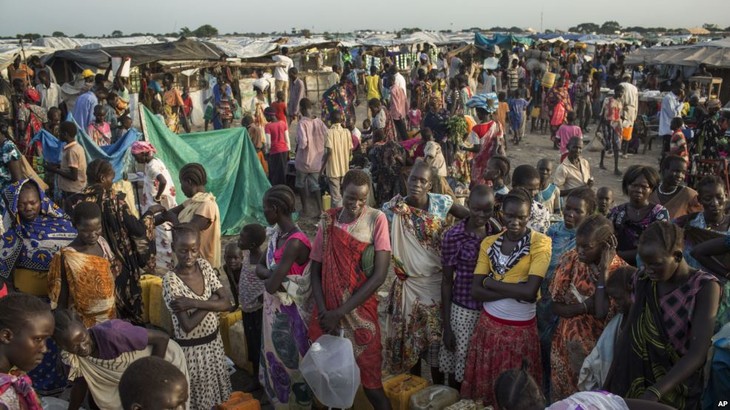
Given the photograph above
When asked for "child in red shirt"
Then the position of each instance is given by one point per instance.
(280, 106)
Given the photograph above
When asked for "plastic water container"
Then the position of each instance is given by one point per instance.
(330, 370)
(548, 80)
(326, 202)
(399, 389)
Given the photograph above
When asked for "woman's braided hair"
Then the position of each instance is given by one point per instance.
(194, 173)
(669, 236)
(282, 198)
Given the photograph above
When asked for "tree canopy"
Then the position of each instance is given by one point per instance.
(117, 33)
(206, 30)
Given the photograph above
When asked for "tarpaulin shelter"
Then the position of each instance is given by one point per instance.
(235, 175)
(500, 40)
(712, 53)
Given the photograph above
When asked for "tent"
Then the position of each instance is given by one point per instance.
(713, 53)
(501, 40)
(235, 175)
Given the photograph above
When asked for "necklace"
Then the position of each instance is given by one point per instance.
(674, 191)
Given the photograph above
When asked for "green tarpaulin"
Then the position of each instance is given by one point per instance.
(235, 175)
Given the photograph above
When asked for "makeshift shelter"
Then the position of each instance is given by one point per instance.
(235, 175)
(501, 40)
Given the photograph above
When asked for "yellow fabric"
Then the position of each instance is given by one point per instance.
(339, 143)
(126, 188)
(371, 85)
(159, 315)
(145, 282)
(204, 204)
(31, 282)
(536, 263)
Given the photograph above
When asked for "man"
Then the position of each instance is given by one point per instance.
(20, 71)
(583, 104)
(296, 93)
(398, 79)
(575, 171)
(671, 107)
(72, 169)
(334, 77)
(630, 101)
(83, 111)
(281, 72)
(398, 104)
(311, 133)
(513, 76)
(336, 159)
(413, 324)
(262, 82)
(50, 92)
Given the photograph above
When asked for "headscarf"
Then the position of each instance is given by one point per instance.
(33, 243)
(33, 95)
(143, 147)
(487, 102)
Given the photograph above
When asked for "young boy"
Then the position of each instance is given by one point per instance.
(566, 132)
(251, 289)
(549, 195)
(604, 195)
(517, 115)
(153, 383)
(678, 142)
(125, 124)
(277, 145)
(336, 159)
(72, 170)
(280, 106)
(100, 131)
(502, 110)
(232, 264)
(611, 113)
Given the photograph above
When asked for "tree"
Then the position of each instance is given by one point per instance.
(80, 35)
(58, 34)
(206, 30)
(610, 27)
(711, 27)
(185, 32)
(306, 33)
(26, 36)
(117, 33)
(585, 28)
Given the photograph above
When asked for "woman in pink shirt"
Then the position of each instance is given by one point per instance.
(277, 142)
(566, 132)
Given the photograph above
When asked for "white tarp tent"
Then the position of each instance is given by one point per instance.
(713, 53)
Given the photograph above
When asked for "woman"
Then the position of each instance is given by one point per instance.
(679, 199)
(350, 256)
(222, 97)
(578, 205)
(99, 355)
(702, 227)
(460, 312)
(381, 119)
(387, 157)
(200, 210)
(486, 138)
(507, 278)
(81, 275)
(661, 356)
(39, 230)
(578, 292)
(557, 104)
(10, 170)
(195, 296)
(173, 104)
(287, 304)
(30, 323)
(528, 178)
(126, 236)
(630, 219)
(158, 189)
(341, 98)
(29, 118)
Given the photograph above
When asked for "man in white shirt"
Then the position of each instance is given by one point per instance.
(50, 92)
(630, 102)
(671, 107)
(281, 72)
(398, 79)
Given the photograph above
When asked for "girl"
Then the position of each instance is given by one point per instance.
(497, 175)
(507, 278)
(251, 290)
(527, 177)
(285, 272)
(486, 138)
(194, 295)
(159, 188)
(630, 219)
(460, 312)
(660, 356)
(579, 204)
(81, 276)
(549, 195)
(578, 291)
(414, 117)
(26, 323)
(679, 199)
(278, 146)
(100, 131)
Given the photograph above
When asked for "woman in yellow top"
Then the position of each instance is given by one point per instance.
(372, 84)
(507, 279)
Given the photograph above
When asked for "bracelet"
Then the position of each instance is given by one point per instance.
(654, 390)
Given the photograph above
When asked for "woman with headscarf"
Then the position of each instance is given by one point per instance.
(39, 229)
(557, 104)
(10, 170)
(339, 98)
(487, 137)
(29, 117)
(159, 189)
(130, 239)
(200, 210)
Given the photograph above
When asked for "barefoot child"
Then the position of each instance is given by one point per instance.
(251, 290)
(549, 195)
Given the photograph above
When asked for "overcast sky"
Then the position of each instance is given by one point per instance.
(95, 18)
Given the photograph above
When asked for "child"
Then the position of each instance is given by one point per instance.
(528, 178)
(278, 146)
(125, 124)
(208, 114)
(100, 131)
(355, 133)
(107, 348)
(258, 138)
(566, 132)
(367, 132)
(72, 170)
(280, 106)
(414, 117)
(549, 195)
(517, 115)
(152, 383)
(54, 121)
(194, 296)
(496, 176)
(459, 256)
(605, 200)
(89, 255)
(611, 114)
(187, 108)
(232, 264)
(26, 323)
(678, 143)
(251, 290)
(502, 110)
(516, 389)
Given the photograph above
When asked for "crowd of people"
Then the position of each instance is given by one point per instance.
(520, 285)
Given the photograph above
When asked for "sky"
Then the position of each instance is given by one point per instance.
(95, 18)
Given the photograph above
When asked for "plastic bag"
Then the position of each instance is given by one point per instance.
(434, 397)
(330, 370)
